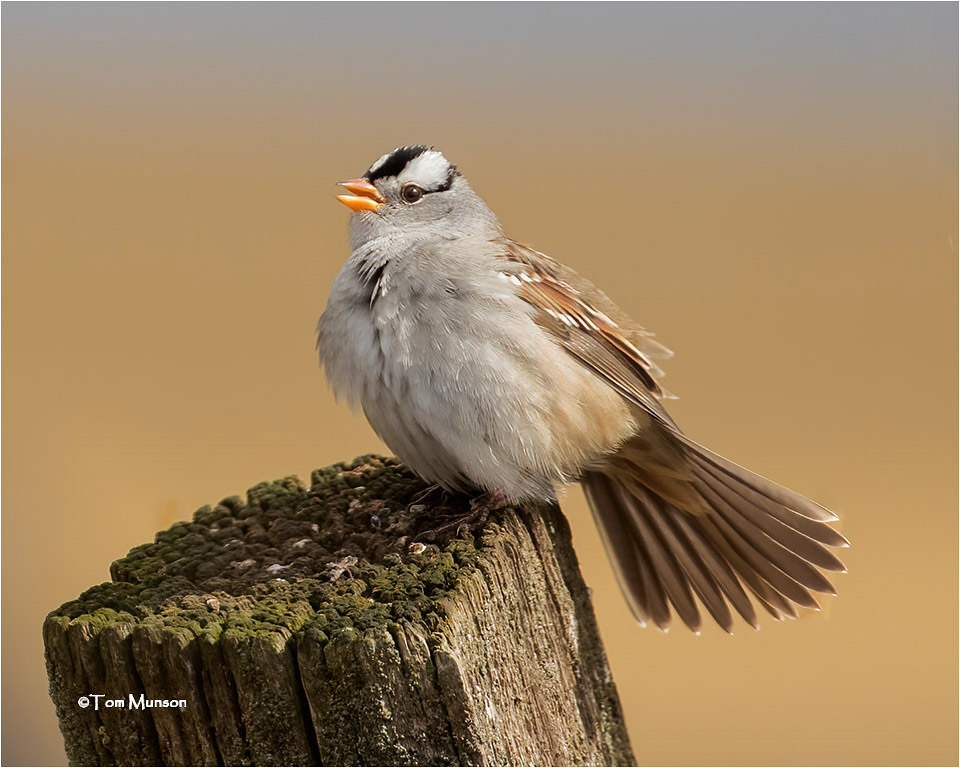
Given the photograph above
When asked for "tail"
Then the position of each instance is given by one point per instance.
(685, 521)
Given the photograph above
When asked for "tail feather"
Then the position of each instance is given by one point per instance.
(783, 559)
(764, 568)
(747, 534)
(654, 593)
(637, 577)
(788, 537)
(783, 496)
(772, 601)
(625, 556)
(689, 563)
(675, 584)
(818, 531)
(721, 571)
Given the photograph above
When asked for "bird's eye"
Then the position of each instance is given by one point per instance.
(411, 193)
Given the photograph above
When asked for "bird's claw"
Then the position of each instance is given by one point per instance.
(481, 507)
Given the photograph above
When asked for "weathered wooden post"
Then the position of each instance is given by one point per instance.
(334, 625)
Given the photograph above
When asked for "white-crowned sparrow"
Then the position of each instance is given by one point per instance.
(486, 365)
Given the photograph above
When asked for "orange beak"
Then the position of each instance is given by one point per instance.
(365, 197)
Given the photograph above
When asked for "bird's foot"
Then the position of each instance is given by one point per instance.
(432, 496)
(481, 507)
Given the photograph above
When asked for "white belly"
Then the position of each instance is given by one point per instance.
(467, 394)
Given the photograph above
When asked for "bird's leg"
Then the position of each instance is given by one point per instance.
(483, 505)
(432, 496)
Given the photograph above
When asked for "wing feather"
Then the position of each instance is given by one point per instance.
(592, 329)
(683, 525)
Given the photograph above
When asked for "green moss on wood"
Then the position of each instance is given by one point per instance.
(329, 610)
(289, 558)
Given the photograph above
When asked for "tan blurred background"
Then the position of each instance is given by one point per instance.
(772, 189)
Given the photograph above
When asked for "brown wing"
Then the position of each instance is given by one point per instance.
(680, 522)
(590, 326)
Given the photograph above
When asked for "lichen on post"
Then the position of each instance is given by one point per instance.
(338, 625)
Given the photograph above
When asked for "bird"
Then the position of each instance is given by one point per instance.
(488, 367)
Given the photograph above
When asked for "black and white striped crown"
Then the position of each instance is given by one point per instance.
(396, 162)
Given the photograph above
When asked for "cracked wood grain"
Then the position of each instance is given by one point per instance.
(335, 625)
